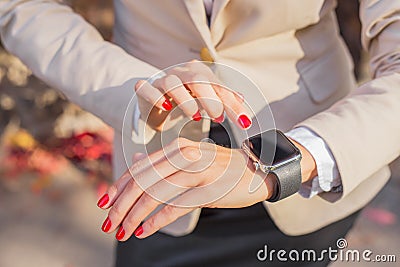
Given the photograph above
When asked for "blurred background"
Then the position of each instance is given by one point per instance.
(55, 161)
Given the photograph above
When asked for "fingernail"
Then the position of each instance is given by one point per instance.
(244, 121)
(220, 119)
(106, 225)
(120, 234)
(197, 116)
(138, 231)
(167, 105)
(103, 201)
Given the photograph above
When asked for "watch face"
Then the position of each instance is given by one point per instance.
(272, 147)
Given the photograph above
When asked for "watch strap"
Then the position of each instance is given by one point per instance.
(287, 180)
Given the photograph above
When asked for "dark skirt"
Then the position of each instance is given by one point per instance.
(229, 237)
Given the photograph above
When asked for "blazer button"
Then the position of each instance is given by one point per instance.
(205, 55)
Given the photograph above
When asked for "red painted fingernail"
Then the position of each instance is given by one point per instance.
(106, 225)
(120, 234)
(138, 231)
(197, 116)
(103, 201)
(220, 119)
(244, 121)
(167, 105)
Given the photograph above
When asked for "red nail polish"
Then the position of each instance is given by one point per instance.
(106, 225)
(220, 119)
(138, 231)
(120, 234)
(167, 105)
(197, 116)
(244, 121)
(103, 201)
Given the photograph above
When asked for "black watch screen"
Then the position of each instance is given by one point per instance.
(272, 147)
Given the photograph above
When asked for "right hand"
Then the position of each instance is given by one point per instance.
(183, 84)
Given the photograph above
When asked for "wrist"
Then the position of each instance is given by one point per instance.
(308, 164)
(271, 185)
(268, 179)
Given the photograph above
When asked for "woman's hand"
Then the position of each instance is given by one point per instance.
(183, 176)
(182, 85)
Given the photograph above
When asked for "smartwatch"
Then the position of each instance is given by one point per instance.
(272, 152)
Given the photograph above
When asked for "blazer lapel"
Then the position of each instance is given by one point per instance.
(198, 14)
(217, 22)
(213, 34)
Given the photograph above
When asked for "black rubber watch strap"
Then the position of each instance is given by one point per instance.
(287, 180)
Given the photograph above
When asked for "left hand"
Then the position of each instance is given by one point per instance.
(183, 176)
(189, 87)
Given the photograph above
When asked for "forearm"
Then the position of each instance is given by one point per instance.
(308, 165)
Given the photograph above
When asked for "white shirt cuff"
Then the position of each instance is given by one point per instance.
(328, 174)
